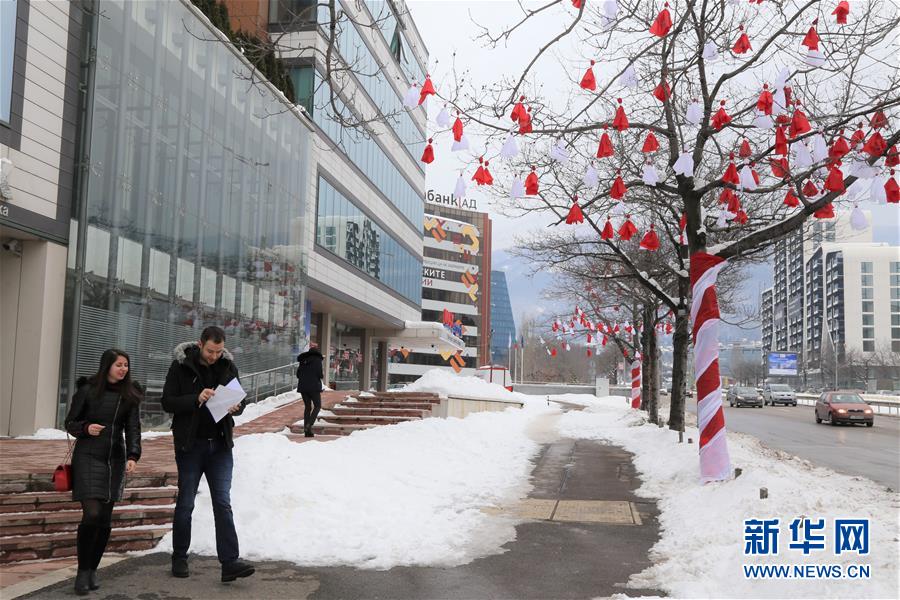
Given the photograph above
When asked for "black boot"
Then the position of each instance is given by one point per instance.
(82, 582)
(99, 548)
(238, 568)
(85, 543)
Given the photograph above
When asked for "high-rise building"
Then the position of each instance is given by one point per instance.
(456, 292)
(853, 313)
(503, 324)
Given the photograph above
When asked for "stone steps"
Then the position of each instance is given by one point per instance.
(372, 410)
(387, 412)
(332, 429)
(375, 419)
(363, 403)
(57, 545)
(19, 524)
(52, 501)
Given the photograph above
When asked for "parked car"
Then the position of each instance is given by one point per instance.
(744, 396)
(779, 393)
(843, 407)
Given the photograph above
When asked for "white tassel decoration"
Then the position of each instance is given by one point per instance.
(877, 193)
(861, 169)
(815, 58)
(443, 118)
(510, 147)
(782, 78)
(559, 152)
(518, 189)
(460, 192)
(462, 144)
(858, 220)
(684, 165)
(710, 52)
(802, 157)
(819, 147)
(694, 113)
(590, 178)
(411, 99)
(628, 77)
(747, 181)
(779, 101)
(650, 176)
(763, 121)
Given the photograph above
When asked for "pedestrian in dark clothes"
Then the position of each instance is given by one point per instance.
(203, 447)
(104, 417)
(309, 384)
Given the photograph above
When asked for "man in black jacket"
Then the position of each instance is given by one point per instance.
(309, 384)
(203, 447)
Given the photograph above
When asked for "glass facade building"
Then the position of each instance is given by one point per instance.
(190, 211)
(503, 324)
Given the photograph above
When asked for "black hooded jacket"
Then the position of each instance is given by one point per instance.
(309, 373)
(182, 389)
(98, 461)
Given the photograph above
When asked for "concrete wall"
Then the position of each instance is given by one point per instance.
(461, 407)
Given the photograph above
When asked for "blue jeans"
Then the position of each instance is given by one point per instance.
(213, 459)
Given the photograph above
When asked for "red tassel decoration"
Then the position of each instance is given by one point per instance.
(620, 121)
(525, 121)
(835, 180)
(811, 39)
(588, 82)
(742, 44)
(741, 217)
(607, 233)
(781, 143)
(858, 137)
(605, 149)
(457, 128)
(488, 178)
(841, 12)
(576, 4)
(617, 192)
(826, 212)
(745, 150)
(734, 203)
(780, 167)
(765, 101)
(892, 189)
(682, 222)
(726, 196)
(875, 146)
(478, 177)
(799, 122)
(878, 120)
(839, 147)
(575, 215)
(427, 89)
(721, 118)
(428, 153)
(810, 189)
(531, 184)
(662, 92)
(791, 200)
(650, 241)
(893, 156)
(651, 144)
(517, 110)
(663, 22)
(731, 173)
(626, 232)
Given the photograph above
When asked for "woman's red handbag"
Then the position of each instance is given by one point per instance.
(62, 476)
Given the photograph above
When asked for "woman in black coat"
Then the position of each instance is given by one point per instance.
(104, 417)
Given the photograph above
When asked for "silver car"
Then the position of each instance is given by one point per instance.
(744, 396)
(779, 393)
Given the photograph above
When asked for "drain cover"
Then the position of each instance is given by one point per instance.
(613, 512)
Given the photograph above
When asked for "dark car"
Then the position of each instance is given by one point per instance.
(843, 407)
(744, 396)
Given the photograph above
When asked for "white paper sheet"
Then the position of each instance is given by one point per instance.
(226, 396)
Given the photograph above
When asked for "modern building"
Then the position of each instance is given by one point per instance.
(503, 324)
(853, 308)
(783, 306)
(146, 193)
(456, 292)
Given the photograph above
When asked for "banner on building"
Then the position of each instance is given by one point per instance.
(782, 363)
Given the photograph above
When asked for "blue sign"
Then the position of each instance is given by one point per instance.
(782, 363)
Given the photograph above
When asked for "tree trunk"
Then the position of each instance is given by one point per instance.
(650, 371)
(680, 346)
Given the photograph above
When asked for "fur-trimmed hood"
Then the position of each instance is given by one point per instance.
(180, 351)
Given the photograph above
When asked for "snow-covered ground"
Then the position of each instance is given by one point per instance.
(700, 552)
(413, 494)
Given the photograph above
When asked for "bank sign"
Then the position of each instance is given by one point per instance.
(448, 200)
(782, 363)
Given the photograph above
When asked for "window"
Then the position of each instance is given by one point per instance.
(304, 79)
(397, 45)
(8, 10)
(868, 313)
(292, 11)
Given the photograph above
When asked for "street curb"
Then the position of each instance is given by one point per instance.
(47, 579)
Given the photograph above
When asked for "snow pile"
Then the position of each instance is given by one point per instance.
(406, 494)
(263, 407)
(44, 433)
(700, 553)
(447, 383)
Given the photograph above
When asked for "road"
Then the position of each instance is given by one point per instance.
(872, 452)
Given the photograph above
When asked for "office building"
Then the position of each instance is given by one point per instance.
(503, 324)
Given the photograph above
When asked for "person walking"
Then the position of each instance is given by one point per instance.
(203, 447)
(104, 418)
(309, 384)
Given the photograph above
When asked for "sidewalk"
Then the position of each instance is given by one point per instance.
(35, 460)
(584, 532)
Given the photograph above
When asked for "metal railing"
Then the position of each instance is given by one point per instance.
(271, 382)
